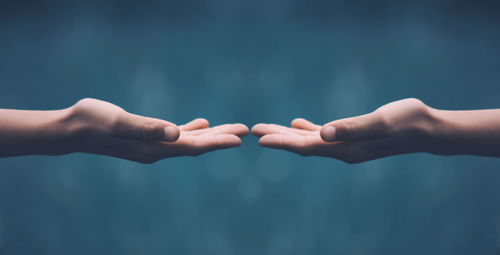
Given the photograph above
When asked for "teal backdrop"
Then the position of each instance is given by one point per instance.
(249, 62)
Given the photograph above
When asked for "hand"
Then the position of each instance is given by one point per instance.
(108, 129)
(95, 126)
(398, 127)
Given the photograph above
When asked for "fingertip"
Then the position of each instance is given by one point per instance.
(301, 123)
(242, 129)
(262, 141)
(328, 133)
(237, 142)
(198, 123)
(203, 122)
(296, 121)
(172, 133)
(228, 141)
(268, 140)
(255, 129)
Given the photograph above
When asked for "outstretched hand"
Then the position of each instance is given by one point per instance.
(99, 127)
(395, 128)
(108, 129)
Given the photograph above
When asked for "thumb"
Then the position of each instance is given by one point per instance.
(356, 128)
(146, 128)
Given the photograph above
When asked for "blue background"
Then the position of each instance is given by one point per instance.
(249, 61)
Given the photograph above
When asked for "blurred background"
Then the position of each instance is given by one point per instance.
(249, 61)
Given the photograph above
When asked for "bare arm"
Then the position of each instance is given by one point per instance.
(474, 132)
(400, 127)
(95, 126)
(33, 132)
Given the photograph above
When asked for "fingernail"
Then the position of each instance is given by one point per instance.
(329, 133)
(171, 133)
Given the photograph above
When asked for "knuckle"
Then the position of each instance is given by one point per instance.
(416, 103)
(82, 105)
(85, 104)
(150, 130)
(413, 100)
(348, 130)
(85, 100)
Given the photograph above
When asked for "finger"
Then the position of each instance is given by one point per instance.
(195, 124)
(355, 128)
(301, 123)
(267, 129)
(234, 129)
(196, 145)
(145, 128)
(303, 145)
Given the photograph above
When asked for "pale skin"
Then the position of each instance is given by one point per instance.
(400, 127)
(98, 127)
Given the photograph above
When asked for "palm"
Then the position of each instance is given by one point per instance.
(374, 135)
(108, 129)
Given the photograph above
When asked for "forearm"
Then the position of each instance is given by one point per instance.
(33, 132)
(474, 132)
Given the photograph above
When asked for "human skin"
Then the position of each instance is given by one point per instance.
(98, 127)
(400, 127)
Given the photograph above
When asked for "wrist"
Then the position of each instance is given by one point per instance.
(73, 129)
(39, 132)
(423, 129)
(438, 133)
(59, 129)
